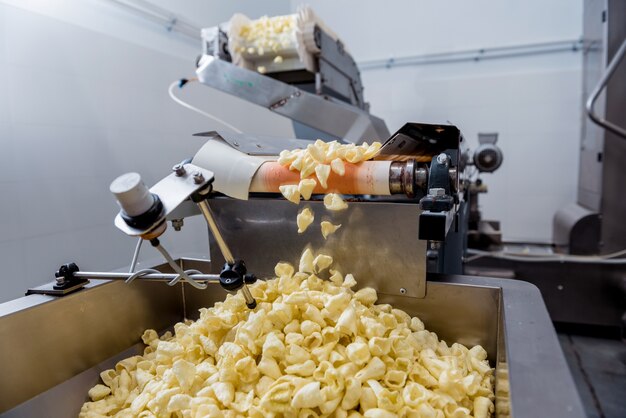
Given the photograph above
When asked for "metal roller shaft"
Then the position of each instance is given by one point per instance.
(381, 178)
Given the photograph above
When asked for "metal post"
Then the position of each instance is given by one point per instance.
(208, 215)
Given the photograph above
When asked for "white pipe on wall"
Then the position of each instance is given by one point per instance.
(157, 14)
(479, 54)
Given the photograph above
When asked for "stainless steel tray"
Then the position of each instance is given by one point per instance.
(53, 349)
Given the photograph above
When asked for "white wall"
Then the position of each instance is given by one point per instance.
(533, 102)
(105, 17)
(79, 106)
(83, 99)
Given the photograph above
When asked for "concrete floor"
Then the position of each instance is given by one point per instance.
(599, 369)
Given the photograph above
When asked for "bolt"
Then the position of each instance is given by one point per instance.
(235, 143)
(435, 245)
(177, 224)
(442, 158)
(198, 177)
(403, 290)
(437, 191)
(60, 281)
(179, 169)
(432, 255)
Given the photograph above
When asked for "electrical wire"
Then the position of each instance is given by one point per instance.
(542, 258)
(181, 273)
(139, 274)
(179, 277)
(180, 84)
(133, 263)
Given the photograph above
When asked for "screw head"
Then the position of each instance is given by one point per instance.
(198, 177)
(177, 224)
(442, 158)
(403, 290)
(179, 169)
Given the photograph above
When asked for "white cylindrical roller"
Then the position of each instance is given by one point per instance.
(132, 194)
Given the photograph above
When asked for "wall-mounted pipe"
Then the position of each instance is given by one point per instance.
(171, 21)
(475, 54)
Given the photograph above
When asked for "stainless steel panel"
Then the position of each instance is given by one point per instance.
(52, 339)
(257, 144)
(507, 317)
(320, 112)
(581, 295)
(386, 255)
(592, 141)
(467, 323)
(66, 399)
(614, 170)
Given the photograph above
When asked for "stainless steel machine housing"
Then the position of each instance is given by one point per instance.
(54, 348)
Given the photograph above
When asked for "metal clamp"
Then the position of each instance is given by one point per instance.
(67, 281)
(591, 101)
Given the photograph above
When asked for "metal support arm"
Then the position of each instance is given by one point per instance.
(234, 274)
(617, 130)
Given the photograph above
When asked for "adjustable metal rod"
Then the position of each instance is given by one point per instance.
(248, 296)
(228, 256)
(158, 277)
(208, 215)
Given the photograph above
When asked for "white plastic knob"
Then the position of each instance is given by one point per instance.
(132, 194)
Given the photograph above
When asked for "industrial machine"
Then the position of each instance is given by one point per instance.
(585, 266)
(403, 235)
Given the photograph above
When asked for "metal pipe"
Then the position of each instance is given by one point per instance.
(210, 219)
(591, 101)
(159, 277)
(510, 51)
(157, 14)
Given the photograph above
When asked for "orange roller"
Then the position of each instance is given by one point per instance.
(368, 177)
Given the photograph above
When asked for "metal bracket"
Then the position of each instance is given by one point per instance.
(66, 282)
(434, 226)
(49, 289)
(172, 190)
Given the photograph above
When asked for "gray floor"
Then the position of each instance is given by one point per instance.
(599, 369)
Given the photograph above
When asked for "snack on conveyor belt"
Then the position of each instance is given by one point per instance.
(311, 348)
(320, 159)
(277, 43)
(267, 34)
